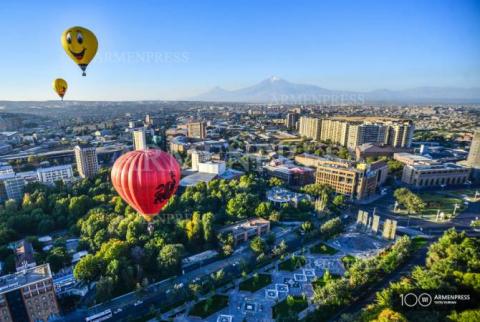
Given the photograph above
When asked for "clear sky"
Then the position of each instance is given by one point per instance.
(174, 48)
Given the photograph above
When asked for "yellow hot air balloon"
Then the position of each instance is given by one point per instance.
(81, 45)
(60, 87)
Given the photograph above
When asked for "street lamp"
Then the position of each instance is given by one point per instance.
(455, 209)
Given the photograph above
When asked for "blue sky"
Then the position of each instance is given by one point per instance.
(173, 49)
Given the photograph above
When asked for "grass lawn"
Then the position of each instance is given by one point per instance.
(292, 263)
(435, 202)
(444, 203)
(463, 193)
(209, 306)
(255, 283)
(323, 249)
(295, 304)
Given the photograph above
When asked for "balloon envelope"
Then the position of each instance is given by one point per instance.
(60, 87)
(146, 179)
(81, 45)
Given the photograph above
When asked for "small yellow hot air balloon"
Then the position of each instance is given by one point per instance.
(60, 87)
(81, 45)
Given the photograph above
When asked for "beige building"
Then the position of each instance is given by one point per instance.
(247, 229)
(28, 295)
(354, 180)
(308, 160)
(335, 131)
(139, 139)
(197, 130)
(87, 161)
(355, 131)
(310, 127)
(429, 175)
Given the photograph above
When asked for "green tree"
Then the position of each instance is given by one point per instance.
(58, 258)
(241, 206)
(264, 209)
(331, 228)
(170, 258)
(207, 225)
(88, 269)
(275, 182)
(258, 245)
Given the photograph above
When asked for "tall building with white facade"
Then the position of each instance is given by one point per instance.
(14, 187)
(214, 167)
(359, 134)
(57, 173)
(139, 139)
(198, 157)
(310, 127)
(87, 161)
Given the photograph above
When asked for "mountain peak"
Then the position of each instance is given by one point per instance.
(273, 79)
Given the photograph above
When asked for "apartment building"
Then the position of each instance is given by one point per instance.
(50, 175)
(87, 161)
(28, 295)
(352, 132)
(199, 157)
(11, 187)
(335, 131)
(139, 139)
(291, 120)
(197, 130)
(310, 127)
(359, 134)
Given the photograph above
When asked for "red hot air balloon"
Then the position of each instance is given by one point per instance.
(146, 179)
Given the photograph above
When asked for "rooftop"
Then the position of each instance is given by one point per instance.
(244, 225)
(196, 178)
(442, 166)
(20, 279)
(199, 257)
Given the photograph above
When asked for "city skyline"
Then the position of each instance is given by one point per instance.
(166, 50)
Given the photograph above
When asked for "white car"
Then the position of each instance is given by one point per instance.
(118, 310)
(137, 303)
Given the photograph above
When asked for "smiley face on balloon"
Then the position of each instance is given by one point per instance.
(81, 45)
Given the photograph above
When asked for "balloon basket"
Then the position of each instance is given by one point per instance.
(150, 227)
